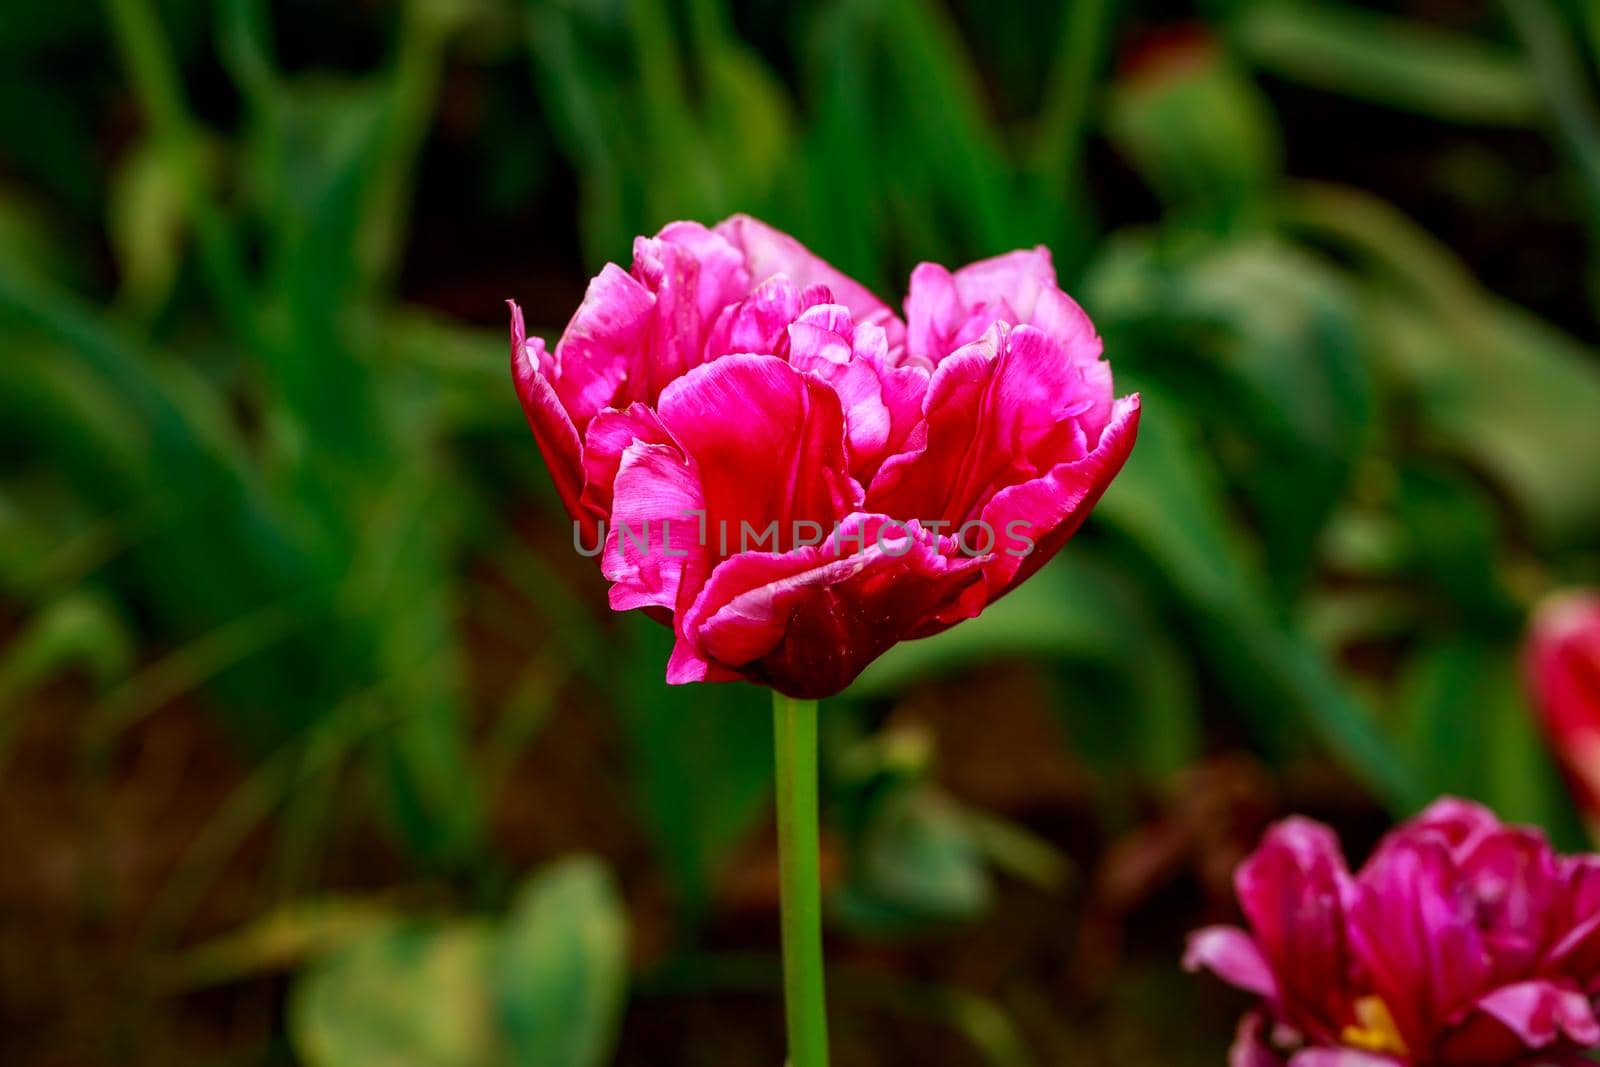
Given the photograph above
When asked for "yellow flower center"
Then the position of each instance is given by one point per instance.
(1374, 1030)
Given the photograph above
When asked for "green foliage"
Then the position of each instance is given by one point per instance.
(545, 986)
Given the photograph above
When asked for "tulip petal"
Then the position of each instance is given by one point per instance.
(609, 435)
(758, 323)
(882, 402)
(547, 418)
(1412, 929)
(1293, 891)
(1342, 1057)
(1510, 1023)
(603, 347)
(767, 442)
(1032, 521)
(1250, 1047)
(768, 251)
(1233, 956)
(999, 412)
(806, 622)
(654, 527)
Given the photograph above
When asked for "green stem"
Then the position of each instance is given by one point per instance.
(794, 724)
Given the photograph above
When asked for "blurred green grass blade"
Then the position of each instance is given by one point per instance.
(155, 76)
(584, 104)
(1389, 61)
(276, 941)
(1568, 93)
(747, 115)
(1128, 695)
(82, 628)
(838, 188)
(949, 134)
(1273, 336)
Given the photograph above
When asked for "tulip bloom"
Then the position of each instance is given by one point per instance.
(1563, 670)
(766, 455)
(1461, 942)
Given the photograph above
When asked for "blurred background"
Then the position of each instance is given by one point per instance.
(317, 742)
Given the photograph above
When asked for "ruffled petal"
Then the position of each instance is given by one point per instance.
(605, 345)
(758, 323)
(882, 403)
(1413, 930)
(808, 621)
(1233, 956)
(609, 435)
(1250, 1046)
(1515, 1020)
(1342, 1057)
(547, 418)
(1575, 950)
(654, 530)
(1031, 522)
(998, 412)
(768, 445)
(1293, 891)
(768, 251)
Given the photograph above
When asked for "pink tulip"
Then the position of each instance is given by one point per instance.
(1462, 941)
(762, 452)
(1563, 669)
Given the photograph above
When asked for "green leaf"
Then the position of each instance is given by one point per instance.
(561, 968)
(915, 862)
(416, 995)
(145, 223)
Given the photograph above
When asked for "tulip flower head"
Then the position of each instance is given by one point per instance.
(1462, 941)
(1563, 672)
(764, 454)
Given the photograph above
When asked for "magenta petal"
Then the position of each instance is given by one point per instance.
(768, 443)
(999, 412)
(1461, 823)
(1292, 891)
(1541, 1013)
(1342, 1057)
(604, 345)
(552, 427)
(1512, 1022)
(768, 251)
(609, 435)
(654, 527)
(1032, 521)
(757, 323)
(1412, 929)
(882, 403)
(1250, 1047)
(720, 276)
(1232, 955)
(1576, 949)
(806, 622)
